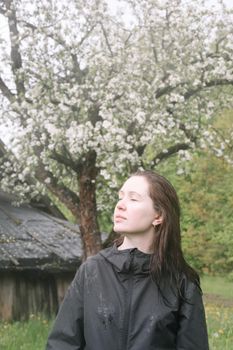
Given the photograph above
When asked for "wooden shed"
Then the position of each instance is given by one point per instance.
(39, 255)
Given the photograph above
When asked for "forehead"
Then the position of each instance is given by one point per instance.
(136, 184)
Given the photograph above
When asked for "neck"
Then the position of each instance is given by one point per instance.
(135, 241)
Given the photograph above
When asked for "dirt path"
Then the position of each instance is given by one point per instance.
(218, 300)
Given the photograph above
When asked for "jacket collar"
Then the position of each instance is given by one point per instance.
(128, 260)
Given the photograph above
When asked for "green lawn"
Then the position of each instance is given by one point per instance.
(218, 299)
(220, 329)
(29, 335)
(217, 285)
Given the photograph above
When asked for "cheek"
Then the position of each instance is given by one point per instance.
(143, 214)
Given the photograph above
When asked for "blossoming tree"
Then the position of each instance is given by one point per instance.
(88, 91)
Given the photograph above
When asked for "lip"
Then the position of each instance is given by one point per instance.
(119, 217)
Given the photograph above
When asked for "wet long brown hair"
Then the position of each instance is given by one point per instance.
(167, 260)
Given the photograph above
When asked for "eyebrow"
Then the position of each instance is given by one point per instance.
(131, 193)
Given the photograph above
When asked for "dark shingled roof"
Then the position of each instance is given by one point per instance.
(33, 239)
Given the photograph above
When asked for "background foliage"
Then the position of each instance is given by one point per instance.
(92, 98)
(206, 194)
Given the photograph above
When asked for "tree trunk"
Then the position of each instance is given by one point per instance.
(88, 211)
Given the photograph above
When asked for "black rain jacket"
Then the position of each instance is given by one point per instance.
(112, 304)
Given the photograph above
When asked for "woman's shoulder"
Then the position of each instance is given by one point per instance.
(190, 287)
(91, 266)
(93, 260)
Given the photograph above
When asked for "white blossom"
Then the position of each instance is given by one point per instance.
(94, 83)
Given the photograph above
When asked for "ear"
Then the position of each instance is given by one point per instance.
(157, 221)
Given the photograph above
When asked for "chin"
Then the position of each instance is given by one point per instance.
(118, 229)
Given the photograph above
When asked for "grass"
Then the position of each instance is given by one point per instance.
(217, 285)
(219, 322)
(30, 335)
(218, 299)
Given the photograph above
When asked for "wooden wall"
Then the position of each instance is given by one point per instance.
(31, 292)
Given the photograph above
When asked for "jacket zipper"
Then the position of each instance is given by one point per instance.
(127, 310)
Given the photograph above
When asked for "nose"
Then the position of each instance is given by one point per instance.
(121, 205)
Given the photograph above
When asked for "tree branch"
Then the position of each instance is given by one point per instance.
(6, 91)
(44, 202)
(106, 39)
(188, 133)
(65, 159)
(2, 9)
(80, 73)
(3, 149)
(166, 90)
(223, 137)
(191, 92)
(15, 50)
(62, 192)
(170, 152)
(212, 83)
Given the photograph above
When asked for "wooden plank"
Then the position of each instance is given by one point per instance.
(6, 297)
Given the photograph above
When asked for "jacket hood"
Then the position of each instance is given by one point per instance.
(128, 260)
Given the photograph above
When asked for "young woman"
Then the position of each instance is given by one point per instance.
(139, 294)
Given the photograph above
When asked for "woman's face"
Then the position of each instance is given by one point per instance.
(134, 212)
